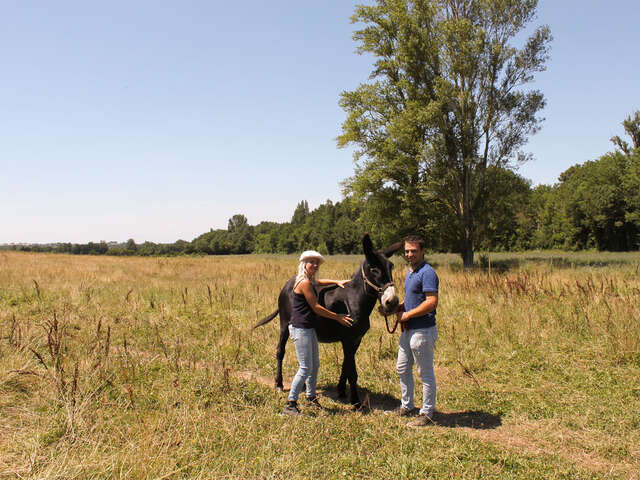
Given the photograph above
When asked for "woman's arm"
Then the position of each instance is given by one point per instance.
(324, 282)
(312, 300)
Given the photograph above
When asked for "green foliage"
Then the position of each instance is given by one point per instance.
(505, 224)
(442, 108)
(631, 126)
(595, 205)
(631, 189)
(301, 213)
(240, 238)
(331, 228)
(130, 247)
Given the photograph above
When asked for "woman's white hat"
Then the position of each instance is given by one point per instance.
(308, 254)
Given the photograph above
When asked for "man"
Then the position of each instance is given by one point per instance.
(417, 317)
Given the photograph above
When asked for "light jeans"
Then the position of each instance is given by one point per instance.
(416, 346)
(305, 342)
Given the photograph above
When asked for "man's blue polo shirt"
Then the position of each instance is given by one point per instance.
(422, 279)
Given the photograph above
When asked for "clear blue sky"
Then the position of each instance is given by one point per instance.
(158, 120)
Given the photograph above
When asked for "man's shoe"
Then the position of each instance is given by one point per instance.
(400, 412)
(314, 402)
(421, 420)
(291, 408)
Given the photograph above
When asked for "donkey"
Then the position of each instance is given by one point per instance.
(372, 281)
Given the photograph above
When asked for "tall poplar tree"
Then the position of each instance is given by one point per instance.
(444, 103)
(632, 126)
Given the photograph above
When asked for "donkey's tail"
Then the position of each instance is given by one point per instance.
(266, 320)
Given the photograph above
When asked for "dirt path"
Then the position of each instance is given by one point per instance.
(543, 437)
(267, 381)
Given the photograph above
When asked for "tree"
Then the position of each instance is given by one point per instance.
(130, 247)
(444, 104)
(631, 125)
(505, 212)
(631, 186)
(266, 237)
(594, 203)
(301, 213)
(237, 222)
(631, 179)
(240, 235)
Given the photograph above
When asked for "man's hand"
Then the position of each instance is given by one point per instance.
(400, 316)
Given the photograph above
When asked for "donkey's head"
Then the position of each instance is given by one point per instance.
(377, 273)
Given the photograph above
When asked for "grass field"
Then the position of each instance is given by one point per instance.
(148, 368)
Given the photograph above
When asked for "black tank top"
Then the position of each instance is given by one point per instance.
(301, 314)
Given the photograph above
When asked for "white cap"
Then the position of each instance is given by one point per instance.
(308, 254)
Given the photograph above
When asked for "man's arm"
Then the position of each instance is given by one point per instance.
(429, 305)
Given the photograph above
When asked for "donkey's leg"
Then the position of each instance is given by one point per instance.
(342, 383)
(343, 307)
(282, 344)
(350, 347)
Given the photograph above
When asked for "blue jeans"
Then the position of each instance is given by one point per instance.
(416, 346)
(305, 342)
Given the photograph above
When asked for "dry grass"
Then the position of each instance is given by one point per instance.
(148, 368)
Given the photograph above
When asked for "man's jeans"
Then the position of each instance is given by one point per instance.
(417, 346)
(305, 342)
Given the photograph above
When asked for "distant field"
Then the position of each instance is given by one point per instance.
(141, 368)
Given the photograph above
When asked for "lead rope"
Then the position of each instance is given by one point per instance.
(386, 323)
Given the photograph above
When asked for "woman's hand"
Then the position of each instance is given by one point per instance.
(342, 283)
(345, 320)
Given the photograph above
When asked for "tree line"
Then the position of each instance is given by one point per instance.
(594, 205)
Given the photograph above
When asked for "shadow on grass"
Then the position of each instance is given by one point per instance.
(383, 402)
(370, 401)
(471, 419)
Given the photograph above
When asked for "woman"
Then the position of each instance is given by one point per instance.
(305, 310)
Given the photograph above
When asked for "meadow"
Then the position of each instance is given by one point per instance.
(148, 368)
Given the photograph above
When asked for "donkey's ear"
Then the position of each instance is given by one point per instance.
(391, 249)
(367, 245)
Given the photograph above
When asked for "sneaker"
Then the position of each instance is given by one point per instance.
(400, 412)
(314, 402)
(291, 408)
(421, 420)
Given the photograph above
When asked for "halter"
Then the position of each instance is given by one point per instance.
(379, 292)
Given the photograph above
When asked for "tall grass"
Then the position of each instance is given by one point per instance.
(148, 368)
